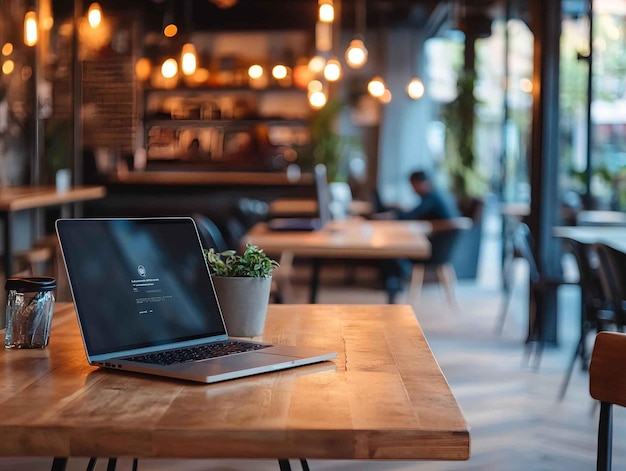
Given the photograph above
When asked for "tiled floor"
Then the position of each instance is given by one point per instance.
(517, 423)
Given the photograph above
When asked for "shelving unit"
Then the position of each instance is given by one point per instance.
(248, 126)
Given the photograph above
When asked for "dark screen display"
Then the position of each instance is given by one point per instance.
(138, 282)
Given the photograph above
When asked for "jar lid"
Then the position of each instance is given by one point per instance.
(30, 284)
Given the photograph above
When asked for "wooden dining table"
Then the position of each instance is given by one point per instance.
(615, 236)
(353, 238)
(383, 398)
(22, 198)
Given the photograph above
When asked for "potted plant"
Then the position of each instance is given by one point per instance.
(242, 283)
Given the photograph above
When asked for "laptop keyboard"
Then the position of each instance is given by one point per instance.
(199, 352)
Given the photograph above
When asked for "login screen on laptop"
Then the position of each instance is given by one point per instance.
(137, 279)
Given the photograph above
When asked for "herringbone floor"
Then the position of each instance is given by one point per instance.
(517, 422)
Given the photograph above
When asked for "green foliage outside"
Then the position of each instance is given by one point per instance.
(326, 146)
(461, 162)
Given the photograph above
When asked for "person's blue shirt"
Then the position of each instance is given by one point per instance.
(435, 204)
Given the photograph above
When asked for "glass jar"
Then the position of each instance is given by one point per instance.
(30, 304)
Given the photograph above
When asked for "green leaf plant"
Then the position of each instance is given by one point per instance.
(253, 263)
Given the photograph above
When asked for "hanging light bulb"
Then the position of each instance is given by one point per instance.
(170, 30)
(255, 71)
(279, 72)
(376, 87)
(317, 99)
(143, 68)
(94, 15)
(169, 68)
(8, 67)
(332, 70)
(316, 64)
(415, 88)
(31, 30)
(356, 54)
(189, 59)
(326, 11)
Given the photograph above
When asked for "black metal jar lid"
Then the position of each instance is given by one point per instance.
(30, 284)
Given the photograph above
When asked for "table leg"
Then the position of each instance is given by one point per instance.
(284, 465)
(59, 464)
(315, 280)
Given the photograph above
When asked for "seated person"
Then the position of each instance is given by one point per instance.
(434, 204)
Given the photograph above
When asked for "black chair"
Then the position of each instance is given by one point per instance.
(612, 270)
(538, 285)
(210, 234)
(596, 309)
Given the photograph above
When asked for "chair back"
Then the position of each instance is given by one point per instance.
(607, 384)
(210, 235)
(612, 269)
(593, 296)
(524, 243)
(444, 237)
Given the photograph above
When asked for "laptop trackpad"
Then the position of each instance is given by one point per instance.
(246, 361)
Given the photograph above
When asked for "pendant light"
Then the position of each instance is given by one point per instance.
(356, 54)
(332, 70)
(376, 87)
(415, 88)
(31, 29)
(189, 59)
(94, 15)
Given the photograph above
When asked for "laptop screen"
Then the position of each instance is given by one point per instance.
(138, 282)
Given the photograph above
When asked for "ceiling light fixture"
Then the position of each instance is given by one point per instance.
(169, 26)
(326, 11)
(189, 59)
(415, 89)
(31, 30)
(332, 70)
(169, 68)
(94, 15)
(376, 87)
(356, 54)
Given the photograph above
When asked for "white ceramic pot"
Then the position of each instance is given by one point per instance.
(243, 302)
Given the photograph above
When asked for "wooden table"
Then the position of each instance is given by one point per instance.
(14, 199)
(353, 238)
(384, 397)
(615, 236)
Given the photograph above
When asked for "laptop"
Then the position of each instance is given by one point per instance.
(322, 191)
(145, 302)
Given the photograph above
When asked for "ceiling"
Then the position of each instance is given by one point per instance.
(206, 15)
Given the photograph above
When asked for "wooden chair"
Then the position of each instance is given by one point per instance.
(607, 384)
(443, 238)
(211, 236)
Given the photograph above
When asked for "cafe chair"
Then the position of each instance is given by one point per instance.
(539, 283)
(612, 270)
(444, 238)
(607, 384)
(211, 236)
(596, 309)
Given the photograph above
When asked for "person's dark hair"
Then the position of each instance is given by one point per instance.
(419, 176)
